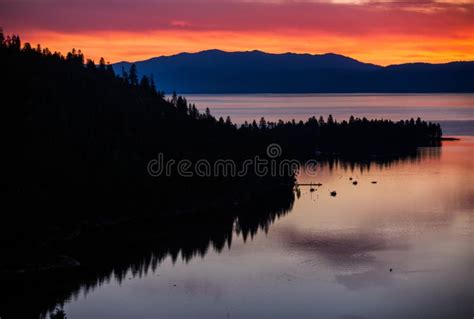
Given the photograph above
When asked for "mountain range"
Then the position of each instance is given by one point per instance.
(215, 71)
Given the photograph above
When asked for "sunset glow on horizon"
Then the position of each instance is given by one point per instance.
(382, 32)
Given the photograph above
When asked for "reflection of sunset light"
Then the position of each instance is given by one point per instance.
(437, 176)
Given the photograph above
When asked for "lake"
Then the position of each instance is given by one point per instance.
(455, 112)
(325, 256)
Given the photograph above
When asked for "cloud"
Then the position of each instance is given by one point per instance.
(374, 31)
(139, 16)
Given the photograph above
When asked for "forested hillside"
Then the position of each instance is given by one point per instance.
(78, 137)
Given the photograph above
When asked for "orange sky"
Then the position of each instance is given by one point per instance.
(381, 32)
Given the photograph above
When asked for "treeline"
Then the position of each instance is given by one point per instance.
(76, 142)
(72, 124)
(357, 137)
(77, 139)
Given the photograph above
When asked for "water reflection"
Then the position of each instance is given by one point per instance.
(329, 258)
(341, 248)
(417, 220)
(417, 156)
(137, 250)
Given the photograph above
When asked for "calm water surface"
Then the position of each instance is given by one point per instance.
(329, 257)
(455, 112)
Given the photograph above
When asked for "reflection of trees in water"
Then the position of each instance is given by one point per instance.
(137, 249)
(380, 162)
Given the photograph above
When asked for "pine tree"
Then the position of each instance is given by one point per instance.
(110, 70)
(152, 83)
(145, 83)
(174, 99)
(90, 64)
(133, 76)
(102, 64)
(330, 119)
(182, 105)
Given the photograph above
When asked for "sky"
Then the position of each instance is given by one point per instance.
(380, 32)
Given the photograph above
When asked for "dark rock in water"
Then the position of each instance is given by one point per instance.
(354, 182)
(333, 193)
(374, 182)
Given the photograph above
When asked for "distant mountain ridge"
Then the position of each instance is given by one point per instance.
(216, 71)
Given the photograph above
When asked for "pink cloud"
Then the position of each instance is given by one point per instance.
(374, 31)
(79, 16)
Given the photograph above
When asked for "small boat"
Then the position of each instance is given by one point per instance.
(333, 193)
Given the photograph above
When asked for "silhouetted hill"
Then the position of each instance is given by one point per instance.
(216, 71)
(78, 141)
